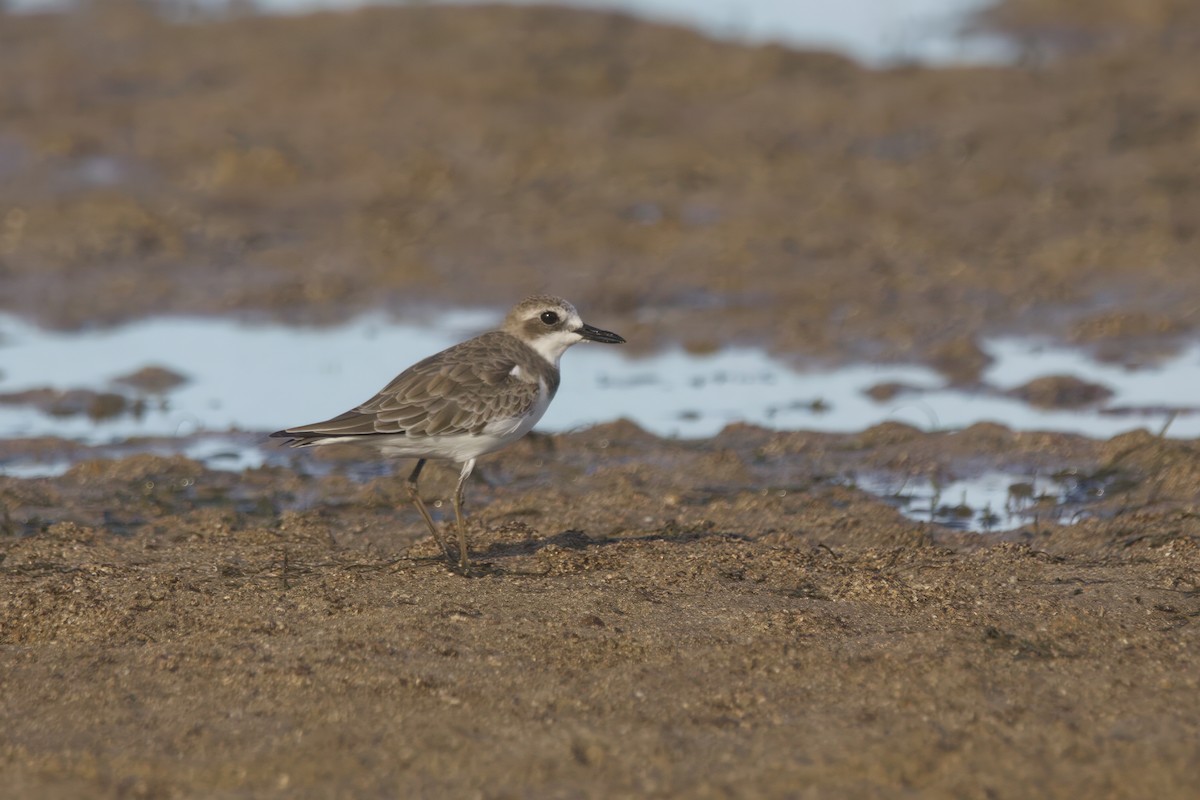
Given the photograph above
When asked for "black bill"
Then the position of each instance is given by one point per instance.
(597, 335)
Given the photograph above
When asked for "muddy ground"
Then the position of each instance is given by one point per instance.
(729, 617)
(652, 618)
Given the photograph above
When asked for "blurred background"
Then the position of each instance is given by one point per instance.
(746, 188)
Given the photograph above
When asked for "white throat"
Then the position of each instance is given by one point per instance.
(552, 345)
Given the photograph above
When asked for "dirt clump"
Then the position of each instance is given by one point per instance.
(71, 402)
(152, 380)
(1061, 391)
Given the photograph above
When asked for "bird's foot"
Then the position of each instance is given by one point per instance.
(473, 569)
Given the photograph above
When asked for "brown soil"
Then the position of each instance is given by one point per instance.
(654, 618)
(721, 618)
(312, 167)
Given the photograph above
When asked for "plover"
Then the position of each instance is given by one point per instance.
(464, 402)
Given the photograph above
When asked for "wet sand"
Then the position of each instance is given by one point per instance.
(726, 617)
(656, 618)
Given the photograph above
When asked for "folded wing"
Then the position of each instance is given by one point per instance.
(471, 388)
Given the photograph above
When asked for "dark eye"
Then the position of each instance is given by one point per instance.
(549, 317)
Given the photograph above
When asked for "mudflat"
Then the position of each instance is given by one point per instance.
(730, 617)
(655, 618)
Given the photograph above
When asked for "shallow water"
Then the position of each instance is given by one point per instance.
(260, 377)
(257, 378)
(993, 501)
(265, 377)
(874, 31)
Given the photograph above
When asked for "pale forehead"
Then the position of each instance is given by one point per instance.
(531, 306)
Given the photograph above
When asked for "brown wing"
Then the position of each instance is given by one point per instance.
(457, 391)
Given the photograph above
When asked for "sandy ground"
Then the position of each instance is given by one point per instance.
(654, 618)
(723, 618)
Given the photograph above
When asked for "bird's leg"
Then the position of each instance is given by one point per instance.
(416, 501)
(468, 465)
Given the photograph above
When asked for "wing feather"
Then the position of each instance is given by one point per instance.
(458, 391)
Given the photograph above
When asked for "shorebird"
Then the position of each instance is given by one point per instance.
(467, 401)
